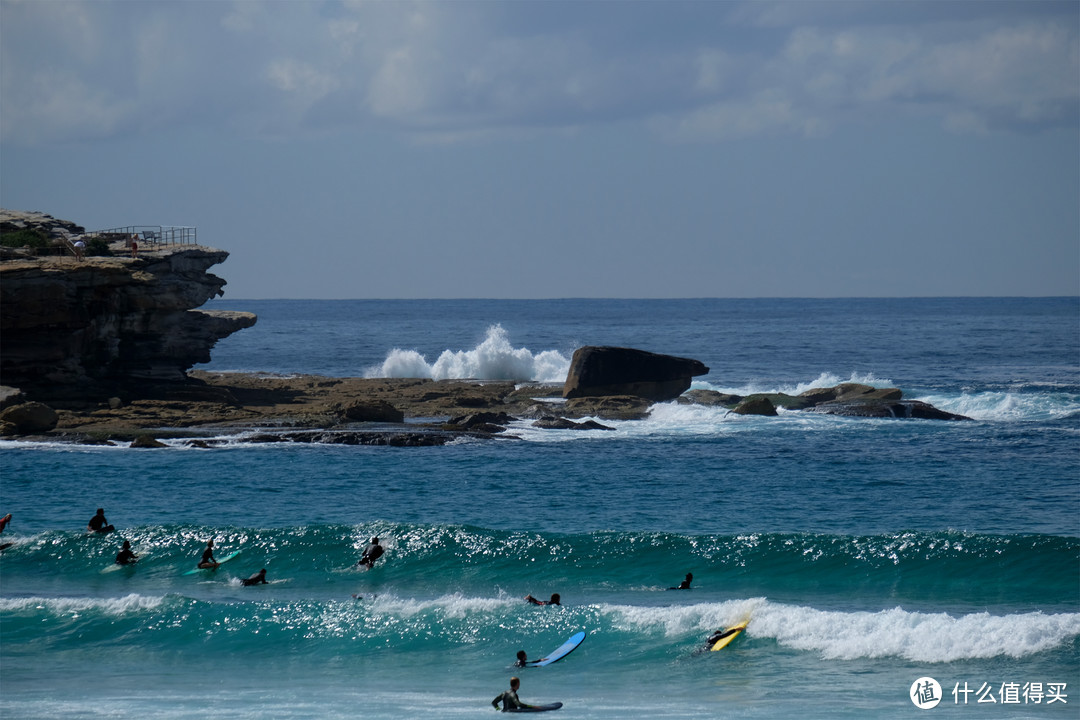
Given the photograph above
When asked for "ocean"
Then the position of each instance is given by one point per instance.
(880, 561)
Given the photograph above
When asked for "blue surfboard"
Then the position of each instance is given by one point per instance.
(563, 650)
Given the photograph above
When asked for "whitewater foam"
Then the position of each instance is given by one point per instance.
(493, 359)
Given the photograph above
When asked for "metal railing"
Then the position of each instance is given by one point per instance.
(153, 234)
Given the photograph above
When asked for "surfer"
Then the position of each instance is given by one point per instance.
(371, 553)
(509, 699)
(99, 524)
(522, 659)
(126, 556)
(258, 578)
(208, 560)
(3, 524)
(555, 600)
(685, 584)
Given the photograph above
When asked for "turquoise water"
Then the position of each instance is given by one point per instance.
(867, 553)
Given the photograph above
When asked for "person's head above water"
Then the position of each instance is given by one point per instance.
(555, 599)
(514, 684)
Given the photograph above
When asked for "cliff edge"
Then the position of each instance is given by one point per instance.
(76, 328)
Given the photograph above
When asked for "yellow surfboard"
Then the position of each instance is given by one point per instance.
(730, 634)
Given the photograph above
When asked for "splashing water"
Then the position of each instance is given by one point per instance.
(493, 359)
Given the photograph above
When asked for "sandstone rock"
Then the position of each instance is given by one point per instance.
(146, 441)
(110, 320)
(10, 396)
(850, 391)
(374, 411)
(710, 398)
(603, 371)
(616, 407)
(31, 417)
(551, 422)
(476, 420)
(755, 405)
(879, 408)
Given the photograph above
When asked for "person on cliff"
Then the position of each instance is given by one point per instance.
(555, 600)
(126, 556)
(98, 523)
(258, 578)
(135, 246)
(208, 562)
(372, 553)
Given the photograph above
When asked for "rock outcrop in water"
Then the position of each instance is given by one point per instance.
(604, 371)
(103, 324)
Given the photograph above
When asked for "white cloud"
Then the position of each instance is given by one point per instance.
(75, 70)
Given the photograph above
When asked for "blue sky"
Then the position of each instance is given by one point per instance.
(563, 149)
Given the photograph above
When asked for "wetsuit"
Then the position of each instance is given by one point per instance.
(371, 554)
(509, 699)
(125, 557)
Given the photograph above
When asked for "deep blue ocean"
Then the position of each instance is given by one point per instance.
(868, 554)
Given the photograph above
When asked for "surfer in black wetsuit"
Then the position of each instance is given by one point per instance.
(522, 660)
(99, 524)
(372, 553)
(509, 699)
(208, 560)
(685, 584)
(258, 578)
(555, 600)
(126, 556)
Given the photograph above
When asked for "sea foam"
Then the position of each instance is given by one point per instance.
(493, 359)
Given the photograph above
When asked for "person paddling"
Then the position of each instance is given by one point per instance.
(372, 553)
(258, 578)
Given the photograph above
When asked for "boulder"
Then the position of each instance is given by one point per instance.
(711, 398)
(551, 422)
(755, 405)
(31, 417)
(480, 420)
(605, 371)
(147, 441)
(378, 411)
(878, 408)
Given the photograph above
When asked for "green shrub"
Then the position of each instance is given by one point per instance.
(98, 247)
(31, 237)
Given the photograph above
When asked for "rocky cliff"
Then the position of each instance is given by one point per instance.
(70, 327)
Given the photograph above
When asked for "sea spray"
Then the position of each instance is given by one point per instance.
(493, 359)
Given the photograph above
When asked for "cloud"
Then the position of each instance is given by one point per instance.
(692, 72)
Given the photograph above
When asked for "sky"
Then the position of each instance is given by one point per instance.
(458, 149)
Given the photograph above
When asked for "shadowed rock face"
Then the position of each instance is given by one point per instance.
(602, 371)
(110, 320)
